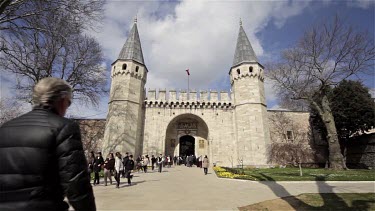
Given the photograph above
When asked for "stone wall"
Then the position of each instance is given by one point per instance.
(361, 151)
(124, 130)
(251, 127)
(213, 112)
(292, 139)
(216, 128)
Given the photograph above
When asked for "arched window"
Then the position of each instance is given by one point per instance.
(238, 71)
(124, 66)
(251, 69)
(114, 67)
(136, 69)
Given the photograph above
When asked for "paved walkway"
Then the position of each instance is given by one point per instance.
(183, 188)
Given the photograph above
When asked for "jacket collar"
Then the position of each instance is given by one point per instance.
(45, 108)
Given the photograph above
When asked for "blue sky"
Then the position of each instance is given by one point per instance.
(201, 36)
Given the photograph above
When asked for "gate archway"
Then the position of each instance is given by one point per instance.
(187, 145)
(187, 127)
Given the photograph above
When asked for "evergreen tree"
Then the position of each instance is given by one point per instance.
(352, 107)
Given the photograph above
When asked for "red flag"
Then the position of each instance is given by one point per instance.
(187, 71)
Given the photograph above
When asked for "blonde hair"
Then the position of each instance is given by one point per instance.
(48, 90)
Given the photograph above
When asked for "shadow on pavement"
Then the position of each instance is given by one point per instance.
(332, 202)
(125, 184)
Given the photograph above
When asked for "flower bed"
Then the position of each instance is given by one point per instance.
(224, 173)
(293, 174)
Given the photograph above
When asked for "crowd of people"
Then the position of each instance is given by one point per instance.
(122, 167)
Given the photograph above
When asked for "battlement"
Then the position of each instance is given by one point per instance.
(182, 98)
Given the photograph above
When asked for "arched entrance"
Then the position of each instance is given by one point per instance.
(187, 145)
(187, 134)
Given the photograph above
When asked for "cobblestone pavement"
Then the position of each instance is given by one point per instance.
(183, 188)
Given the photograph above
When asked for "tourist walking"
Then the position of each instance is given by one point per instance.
(153, 161)
(138, 163)
(129, 167)
(42, 159)
(124, 161)
(199, 161)
(160, 161)
(175, 160)
(146, 161)
(168, 161)
(91, 162)
(118, 168)
(109, 166)
(205, 164)
(190, 160)
(98, 162)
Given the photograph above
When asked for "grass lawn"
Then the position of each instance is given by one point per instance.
(292, 174)
(318, 201)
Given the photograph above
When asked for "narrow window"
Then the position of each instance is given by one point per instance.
(136, 69)
(124, 66)
(251, 69)
(238, 71)
(289, 135)
(114, 67)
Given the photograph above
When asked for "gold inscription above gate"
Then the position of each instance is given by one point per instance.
(187, 125)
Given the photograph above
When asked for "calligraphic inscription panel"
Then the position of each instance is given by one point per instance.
(187, 125)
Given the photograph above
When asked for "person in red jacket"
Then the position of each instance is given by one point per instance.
(42, 159)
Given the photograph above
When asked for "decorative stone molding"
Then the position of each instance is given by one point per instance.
(133, 69)
(197, 100)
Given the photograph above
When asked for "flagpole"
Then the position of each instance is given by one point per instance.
(188, 86)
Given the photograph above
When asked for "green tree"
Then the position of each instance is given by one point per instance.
(353, 108)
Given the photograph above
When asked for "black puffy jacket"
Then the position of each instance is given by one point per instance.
(41, 162)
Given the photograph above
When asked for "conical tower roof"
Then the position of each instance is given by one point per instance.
(132, 48)
(244, 52)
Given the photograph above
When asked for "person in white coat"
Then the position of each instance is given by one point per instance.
(118, 168)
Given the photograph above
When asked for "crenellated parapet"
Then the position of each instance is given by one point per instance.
(246, 70)
(127, 67)
(193, 99)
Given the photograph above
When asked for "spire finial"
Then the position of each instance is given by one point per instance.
(240, 22)
(135, 19)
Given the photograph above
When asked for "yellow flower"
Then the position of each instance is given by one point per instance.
(221, 172)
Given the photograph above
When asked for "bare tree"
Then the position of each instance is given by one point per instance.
(17, 13)
(92, 132)
(294, 105)
(9, 109)
(62, 51)
(325, 55)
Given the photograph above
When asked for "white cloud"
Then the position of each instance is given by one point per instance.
(363, 4)
(198, 35)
